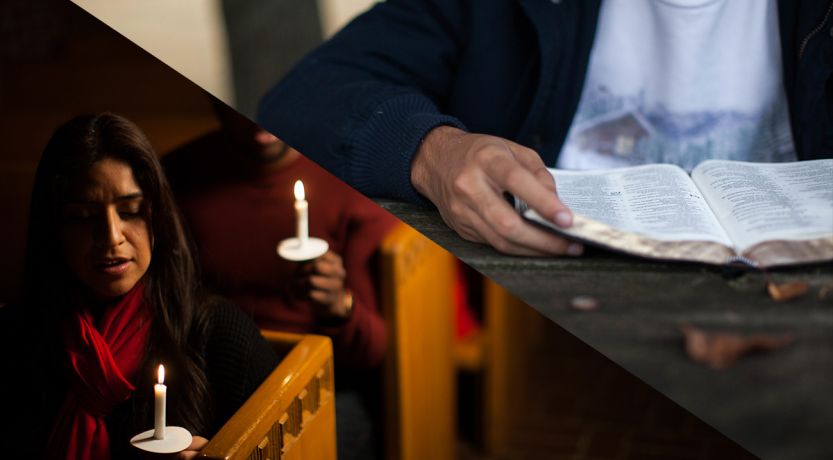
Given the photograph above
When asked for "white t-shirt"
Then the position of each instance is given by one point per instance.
(682, 81)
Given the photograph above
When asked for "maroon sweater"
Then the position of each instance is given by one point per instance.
(238, 219)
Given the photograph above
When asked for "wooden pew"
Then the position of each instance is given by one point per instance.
(416, 293)
(291, 416)
(511, 328)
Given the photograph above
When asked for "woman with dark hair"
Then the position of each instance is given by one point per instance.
(111, 291)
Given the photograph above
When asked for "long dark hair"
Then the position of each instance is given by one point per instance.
(172, 289)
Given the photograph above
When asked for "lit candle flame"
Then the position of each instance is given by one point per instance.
(299, 190)
(160, 374)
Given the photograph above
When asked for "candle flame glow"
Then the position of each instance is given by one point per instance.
(299, 190)
(160, 374)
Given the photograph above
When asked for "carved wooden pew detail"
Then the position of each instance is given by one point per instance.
(292, 413)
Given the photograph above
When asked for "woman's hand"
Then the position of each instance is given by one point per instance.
(197, 444)
(322, 281)
(190, 452)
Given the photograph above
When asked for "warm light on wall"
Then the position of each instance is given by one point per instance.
(335, 14)
(188, 35)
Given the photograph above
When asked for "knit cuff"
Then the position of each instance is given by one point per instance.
(382, 150)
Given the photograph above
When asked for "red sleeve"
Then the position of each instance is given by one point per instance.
(362, 340)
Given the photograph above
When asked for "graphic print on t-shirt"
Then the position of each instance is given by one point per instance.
(681, 82)
(613, 130)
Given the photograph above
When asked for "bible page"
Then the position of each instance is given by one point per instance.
(658, 201)
(758, 202)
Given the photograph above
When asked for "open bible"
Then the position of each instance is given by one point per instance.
(760, 214)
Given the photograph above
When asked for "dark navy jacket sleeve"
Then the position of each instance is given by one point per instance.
(361, 104)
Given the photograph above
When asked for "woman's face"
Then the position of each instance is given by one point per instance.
(105, 232)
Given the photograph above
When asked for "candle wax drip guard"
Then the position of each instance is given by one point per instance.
(176, 440)
(292, 249)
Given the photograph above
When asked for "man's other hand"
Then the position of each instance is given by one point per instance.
(323, 281)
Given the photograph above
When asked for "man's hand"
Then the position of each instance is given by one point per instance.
(465, 175)
(323, 282)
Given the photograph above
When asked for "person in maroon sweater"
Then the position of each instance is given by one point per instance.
(235, 188)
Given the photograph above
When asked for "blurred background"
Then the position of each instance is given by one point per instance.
(234, 49)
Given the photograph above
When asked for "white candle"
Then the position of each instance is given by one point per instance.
(159, 392)
(301, 213)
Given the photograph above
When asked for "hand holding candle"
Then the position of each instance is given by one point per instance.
(160, 393)
(301, 213)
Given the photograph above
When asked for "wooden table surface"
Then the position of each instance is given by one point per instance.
(776, 404)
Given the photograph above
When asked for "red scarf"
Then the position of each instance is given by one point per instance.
(102, 360)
